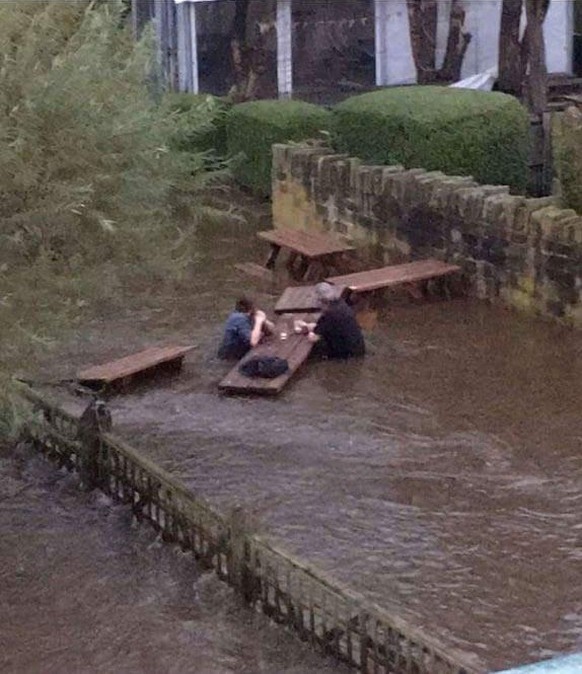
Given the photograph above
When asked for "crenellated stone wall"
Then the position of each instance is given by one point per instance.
(525, 252)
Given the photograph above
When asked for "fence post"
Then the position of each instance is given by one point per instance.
(95, 419)
(364, 641)
(238, 571)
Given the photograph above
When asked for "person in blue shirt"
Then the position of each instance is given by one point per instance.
(243, 330)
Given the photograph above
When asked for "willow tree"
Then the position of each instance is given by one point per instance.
(423, 23)
(522, 53)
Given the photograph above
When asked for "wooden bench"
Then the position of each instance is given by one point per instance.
(311, 255)
(299, 299)
(119, 373)
(409, 275)
(256, 270)
(294, 348)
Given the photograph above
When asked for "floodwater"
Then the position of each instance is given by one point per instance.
(440, 476)
(84, 591)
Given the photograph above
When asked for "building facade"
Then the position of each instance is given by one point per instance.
(309, 47)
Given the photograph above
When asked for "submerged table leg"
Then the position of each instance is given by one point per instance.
(301, 270)
(272, 257)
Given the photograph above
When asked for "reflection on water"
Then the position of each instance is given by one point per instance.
(440, 476)
(85, 591)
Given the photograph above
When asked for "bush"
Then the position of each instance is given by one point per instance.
(252, 128)
(89, 188)
(567, 141)
(201, 123)
(457, 131)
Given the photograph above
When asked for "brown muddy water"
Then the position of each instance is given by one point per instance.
(440, 477)
(85, 591)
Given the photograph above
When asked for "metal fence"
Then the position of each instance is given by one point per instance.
(323, 612)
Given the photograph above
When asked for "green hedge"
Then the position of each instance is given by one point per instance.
(457, 131)
(252, 128)
(567, 148)
(202, 123)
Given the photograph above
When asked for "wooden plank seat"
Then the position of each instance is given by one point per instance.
(254, 269)
(409, 274)
(119, 372)
(299, 299)
(294, 348)
(309, 253)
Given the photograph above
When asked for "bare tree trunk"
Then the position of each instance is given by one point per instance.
(457, 44)
(511, 58)
(537, 78)
(522, 64)
(423, 20)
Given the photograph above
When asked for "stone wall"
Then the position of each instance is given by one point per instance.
(525, 252)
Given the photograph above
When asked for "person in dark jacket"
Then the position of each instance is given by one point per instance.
(243, 330)
(337, 331)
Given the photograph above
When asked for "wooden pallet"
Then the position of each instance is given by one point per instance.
(295, 349)
(122, 370)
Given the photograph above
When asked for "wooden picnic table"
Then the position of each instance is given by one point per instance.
(293, 348)
(120, 371)
(299, 299)
(310, 254)
(408, 274)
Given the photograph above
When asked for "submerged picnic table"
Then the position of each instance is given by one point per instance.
(299, 299)
(293, 348)
(410, 274)
(311, 255)
(118, 373)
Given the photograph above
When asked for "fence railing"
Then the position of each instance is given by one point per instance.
(321, 610)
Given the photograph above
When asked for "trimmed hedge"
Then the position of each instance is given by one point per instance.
(457, 131)
(567, 144)
(202, 125)
(252, 128)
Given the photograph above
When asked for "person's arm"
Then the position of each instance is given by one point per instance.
(315, 330)
(257, 330)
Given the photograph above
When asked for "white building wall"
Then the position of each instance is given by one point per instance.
(559, 32)
(482, 20)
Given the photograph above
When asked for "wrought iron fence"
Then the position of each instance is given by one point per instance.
(322, 611)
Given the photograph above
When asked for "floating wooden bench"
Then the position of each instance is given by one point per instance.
(299, 299)
(410, 273)
(295, 349)
(120, 372)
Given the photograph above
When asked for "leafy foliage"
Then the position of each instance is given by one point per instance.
(203, 127)
(252, 129)
(457, 131)
(84, 159)
(567, 137)
(89, 184)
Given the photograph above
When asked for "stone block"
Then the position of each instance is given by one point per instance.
(324, 177)
(500, 212)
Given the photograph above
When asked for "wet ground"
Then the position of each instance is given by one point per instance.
(84, 590)
(441, 476)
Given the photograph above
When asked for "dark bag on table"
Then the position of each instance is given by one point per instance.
(268, 367)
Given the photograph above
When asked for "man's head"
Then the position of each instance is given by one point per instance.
(245, 305)
(326, 293)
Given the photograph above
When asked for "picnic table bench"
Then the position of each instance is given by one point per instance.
(119, 372)
(293, 348)
(410, 275)
(311, 255)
